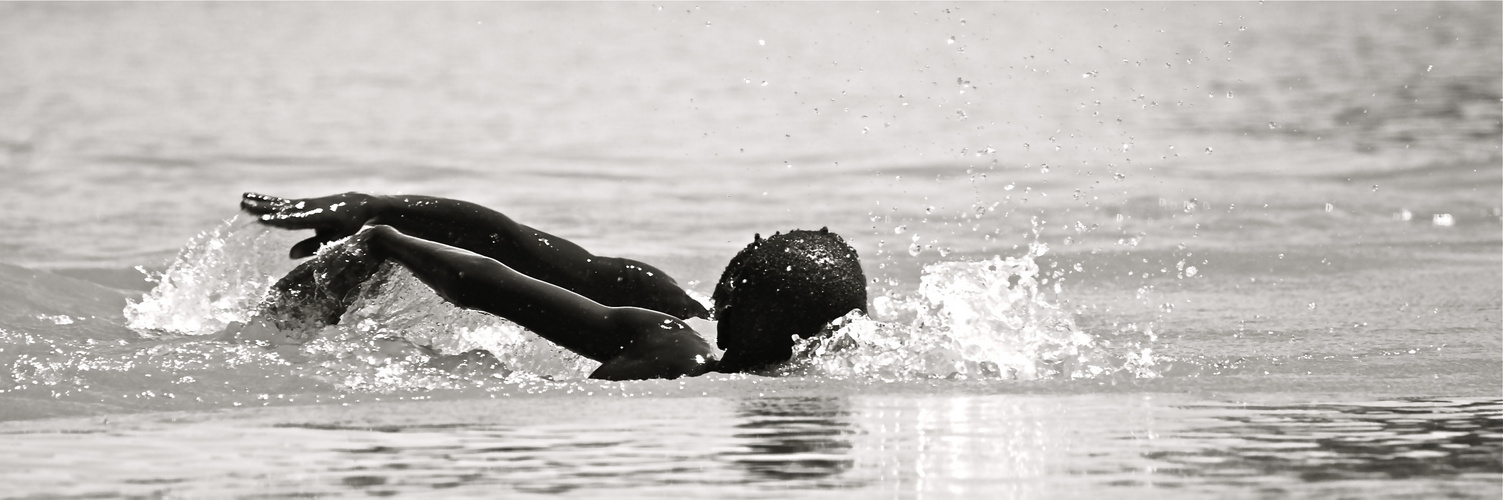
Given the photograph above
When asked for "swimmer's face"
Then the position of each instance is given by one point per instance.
(789, 284)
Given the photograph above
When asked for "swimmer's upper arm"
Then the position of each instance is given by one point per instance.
(473, 281)
(484, 231)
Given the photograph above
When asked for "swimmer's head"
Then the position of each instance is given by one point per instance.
(786, 285)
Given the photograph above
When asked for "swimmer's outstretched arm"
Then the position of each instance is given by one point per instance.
(630, 342)
(608, 280)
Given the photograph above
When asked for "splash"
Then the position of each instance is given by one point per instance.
(971, 320)
(397, 335)
(218, 277)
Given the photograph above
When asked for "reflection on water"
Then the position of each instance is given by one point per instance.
(1337, 442)
(804, 438)
(775, 443)
(911, 446)
(996, 447)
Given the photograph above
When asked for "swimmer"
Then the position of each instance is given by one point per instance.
(625, 314)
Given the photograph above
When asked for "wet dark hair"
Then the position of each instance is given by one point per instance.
(786, 285)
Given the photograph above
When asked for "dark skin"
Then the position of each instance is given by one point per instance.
(611, 281)
(619, 312)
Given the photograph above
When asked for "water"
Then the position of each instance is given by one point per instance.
(1115, 249)
(903, 442)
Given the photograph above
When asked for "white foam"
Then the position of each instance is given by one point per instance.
(970, 320)
(219, 276)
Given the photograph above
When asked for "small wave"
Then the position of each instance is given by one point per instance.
(972, 320)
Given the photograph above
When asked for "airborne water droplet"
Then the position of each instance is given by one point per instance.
(1190, 271)
(915, 249)
(899, 229)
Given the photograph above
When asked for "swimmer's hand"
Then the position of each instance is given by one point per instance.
(331, 217)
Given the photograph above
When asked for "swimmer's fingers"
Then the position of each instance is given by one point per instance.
(310, 246)
(333, 217)
(261, 204)
(282, 212)
(343, 213)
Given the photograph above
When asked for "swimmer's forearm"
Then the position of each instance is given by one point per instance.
(611, 281)
(484, 231)
(473, 281)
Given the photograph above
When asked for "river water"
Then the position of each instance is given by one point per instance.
(1140, 250)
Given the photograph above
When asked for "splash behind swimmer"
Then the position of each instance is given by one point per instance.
(622, 313)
